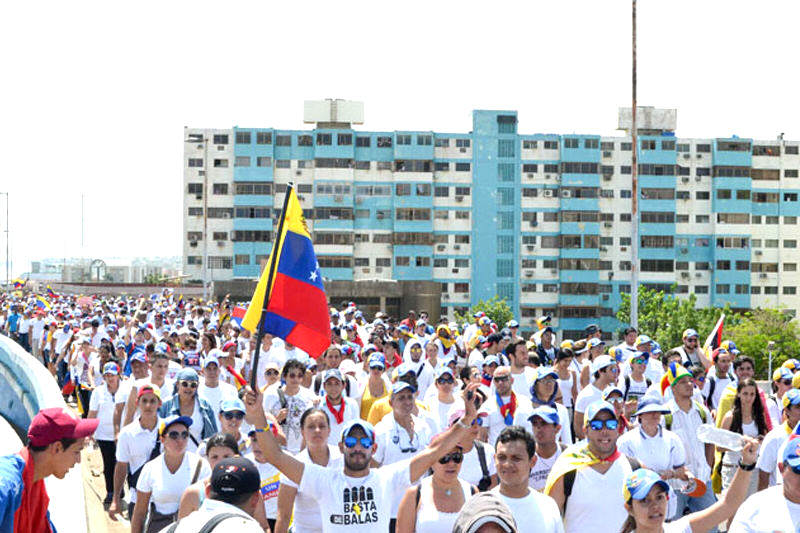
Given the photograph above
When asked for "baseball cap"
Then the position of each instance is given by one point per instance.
(235, 476)
(111, 368)
(601, 362)
(595, 408)
(400, 386)
(688, 333)
(455, 413)
(172, 420)
(594, 341)
(139, 355)
(404, 369)
(148, 388)
(642, 339)
(233, 404)
(332, 373)
(782, 373)
(491, 360)
(366, 427)
(791, 364)
(56, 423)
(187, 374)
(546, 413)
(611, 390)
(347, 366)
(651, 405)
(512, 324)
(634, 355)
(639, 482)
(544, 372)
(210, 359)
(443, 370)
(591, 329)
(482, 509)
(792, 397)
(377, 360)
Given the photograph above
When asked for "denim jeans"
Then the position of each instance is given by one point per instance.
(692, 505)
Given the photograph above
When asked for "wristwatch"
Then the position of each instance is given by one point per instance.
(461, 423)
(746, 468)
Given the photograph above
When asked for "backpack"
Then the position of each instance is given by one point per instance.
(712, 384)
(210, 525)
(133, 477)
(628, 385)
(486, 479)
(569, 479)
(701, 411)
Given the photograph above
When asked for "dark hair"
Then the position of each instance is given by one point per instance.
(465, 373)
(512, 433)
(410, 378)
(222, 440)
(533, 359)
(512, 346)
(629, 526)
(697, 370)
(65, 443)
(212, 341)
(758, 409)
(293, 364)
(312, 411)
(742, 359)
(669, 353)
(629, 329)
(564, 353)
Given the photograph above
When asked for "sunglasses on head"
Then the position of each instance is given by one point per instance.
(597, 425)
(351, 442)
(238, 415)
(189, 384)
(175, 435)
(456, 457)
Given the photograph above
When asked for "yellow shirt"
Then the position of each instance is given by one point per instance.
(382, 407)
(367, 399)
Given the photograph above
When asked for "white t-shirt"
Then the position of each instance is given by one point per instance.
(596, 504)
(134, 446)
(216, 395)
(307, 517)
(471, 471)
(538, 476)
(296, 406)
(522, 382)
(350, 504)
(495, 420)
(166, 488)
(768, 453)
(439, 410)
(678, 526)
(37, 327)
(535, 513)
(768, 510)
(586, 396)
(105, 403)
(719, 387)
(270, 483)
(351, 412)
(241, 524)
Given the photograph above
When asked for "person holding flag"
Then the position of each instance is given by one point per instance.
(289, 301)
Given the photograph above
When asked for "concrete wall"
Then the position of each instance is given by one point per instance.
(123, 289)
(25, 388)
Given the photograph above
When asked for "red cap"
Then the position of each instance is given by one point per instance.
(228, 345)
(56, 423)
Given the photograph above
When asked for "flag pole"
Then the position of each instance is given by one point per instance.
(273, 264)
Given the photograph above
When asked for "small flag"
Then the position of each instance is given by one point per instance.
(43, 304)
(714, 339)
(19, 283)
(237, 377)
(51, 293)
(238, 314)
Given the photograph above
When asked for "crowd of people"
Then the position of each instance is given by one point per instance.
(401, 425)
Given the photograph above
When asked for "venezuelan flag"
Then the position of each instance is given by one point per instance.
(238, 314)
(19, 283)
(296, 305)
(51, 293)
(41, 303)
(714, 338)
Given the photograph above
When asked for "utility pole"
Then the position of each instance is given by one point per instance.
(205, 218)
(634, 185)
(8, 255)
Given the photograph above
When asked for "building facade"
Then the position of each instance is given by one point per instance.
(543, 220)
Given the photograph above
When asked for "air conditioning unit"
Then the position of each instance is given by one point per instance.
(554, 271)
(220, 243)
(762, 276)
(605, 297)
(198, 196)
(558, 178)
(440, 247)
(684, 250)
(454, 271)
(528, 274)
(566, 193)
(530, 174)
(359, 200)
(687, 156)
(623, 248)
(685, 179)
(445, 296)
(548, 176)
(697, 178)
(606, 154)
(758, 252)
(534, 223)
(606, 177)
(699, 156)
(547, 193)
(462, 150)
(684, 274)
(365, 270)
(530, 247)
(457, 246)
(193, 244)
(298, 172)
(379, 269)
(459, 198)
(338, 198)
(603, 249)
(608, 225)
(698, 275)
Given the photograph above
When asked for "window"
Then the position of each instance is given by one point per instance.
(194, 163)
(422, 261)
(505, 244)
(657, 241)
(403, 140)
(505, 220)
(702, 171)
(441, 143)
(220, 188)
(253, 187)
(382, 238)
(658, 217)
(462, 239)
(702, 219)
(333, 238)
(463, 143)
(771, 289)
(505, 172)
(194, 235)
(461, 263)
(529, 145)
(324, 139)
(402, 189)
(243, 137)
(462, 215)
(307, 140)
(723, 288)
(441, 192)
(505, 268)
(733, 218)
(362, 142)
(505, 148)
(241, 259)
(790, 267)
(790, 173)
(220, 139)
(667, 145)
(790, 290)
(625, 169)
(194, 260)
(251, 236)
(591, 144)
(625, 217)
(681, 265)
(570, 142)
(264, 161)
(731, 172)
(790, 197)
(413, 214)
(263, 137)
(363, 165)
(384, 142)
(580, 168)
(424, 140)
(790, 243)
(335, 261)
(606, 193)
(658, 194)
(703, 148)
(461, 287)
(723, 264)
(765, 174)
(766, 150)
(682, 195)
(283, 163)
(790, 150)
(463, 191)
(771, 220)
(413, 165)
(220, 212)
(681, 219)
(220, 236)
(530, 168)
(648, 145)
(506, 124)
(423, 189)
(551, 168)
(195, 188)
(625, 194)
(722, 194)
(657, 265)
(383, 261)
(195, 211)
(529, 192)
(505, 196)
(463, 167)
(701, 289)
(441, 167)
(283, 140)
(790, 220)
(220, 163)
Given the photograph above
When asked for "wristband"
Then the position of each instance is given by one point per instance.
(746, 468)
(461, 424)
(271, 428)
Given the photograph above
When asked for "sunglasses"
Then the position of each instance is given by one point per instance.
(597, 425)
(701, 379)
(500, 379)
(456, 457)
(294, 376)
(189, 384)
(365, 442)
(175, 435)
(272, 372)
(445, 380)
(614, 400)
(787, 382)
(639, 361)
(238, 415)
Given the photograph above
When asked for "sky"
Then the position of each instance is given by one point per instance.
(95, 94)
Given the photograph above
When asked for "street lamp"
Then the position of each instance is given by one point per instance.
(197, 139)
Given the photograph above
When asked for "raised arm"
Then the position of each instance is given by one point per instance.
(288, 465)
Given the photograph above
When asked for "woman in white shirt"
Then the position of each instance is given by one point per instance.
(645, 495)
(567, 379)
(433, 505)
(164, 479)
(315, 427)
(103, 405)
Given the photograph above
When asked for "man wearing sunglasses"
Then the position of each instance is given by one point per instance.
(691, 353)
(768, 473)
(586, 477)
(605, 372)
(776, 508)
(515, 456)
(356, 498)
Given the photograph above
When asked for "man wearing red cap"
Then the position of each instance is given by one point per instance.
(55, 440)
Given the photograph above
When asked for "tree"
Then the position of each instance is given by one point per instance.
(759, 326)
(497, 309)
(664, 317)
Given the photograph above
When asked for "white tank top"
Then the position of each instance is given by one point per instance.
(565, 385)
(597, 495)
(429, 518)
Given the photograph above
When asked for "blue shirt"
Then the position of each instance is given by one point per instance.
(13, 322)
